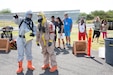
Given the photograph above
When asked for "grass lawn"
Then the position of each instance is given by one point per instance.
(95, 45)
(89, 21)
(7, 23)
(15, 33)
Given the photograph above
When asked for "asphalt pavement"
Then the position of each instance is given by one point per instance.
(68, 64)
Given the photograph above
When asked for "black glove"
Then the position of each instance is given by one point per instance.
(37, 44)
(49, 44)
(32, 34)
(15, 16)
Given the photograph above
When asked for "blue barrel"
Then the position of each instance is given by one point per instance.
(109, 50)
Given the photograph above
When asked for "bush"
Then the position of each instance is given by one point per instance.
(5, 11)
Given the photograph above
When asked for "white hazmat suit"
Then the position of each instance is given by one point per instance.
(25, 25)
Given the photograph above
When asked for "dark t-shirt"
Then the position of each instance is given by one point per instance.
(60, 27)
(55, 23)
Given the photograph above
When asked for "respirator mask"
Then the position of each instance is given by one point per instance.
(40, 19)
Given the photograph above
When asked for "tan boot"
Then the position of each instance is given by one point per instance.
(45, 66)
(20, 68)
(29, 65)
(53, 69)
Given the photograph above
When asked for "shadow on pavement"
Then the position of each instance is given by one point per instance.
(65, 51)
(97, 61)
(29, 72)
(49, 73)
(70, 48)
(58, 51)
(3, 52)
(20, 73)
(80, 55)
(93, 58)
(110, 65)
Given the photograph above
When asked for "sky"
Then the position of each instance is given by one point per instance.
(53, 5)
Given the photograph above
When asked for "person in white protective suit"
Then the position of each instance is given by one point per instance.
(25, 25)
(45, 37)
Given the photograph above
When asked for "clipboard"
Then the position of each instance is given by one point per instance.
(28, 37)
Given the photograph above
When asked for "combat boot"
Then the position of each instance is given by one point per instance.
(20, 68)
(53, 69)
(29, 65)
(45, 66)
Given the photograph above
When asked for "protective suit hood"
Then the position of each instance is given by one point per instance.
(43, 17)
(28, 13)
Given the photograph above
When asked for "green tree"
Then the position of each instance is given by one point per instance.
(82, 15)
(5, 11)
(109, 15)
(90, 17)
(101, 14)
